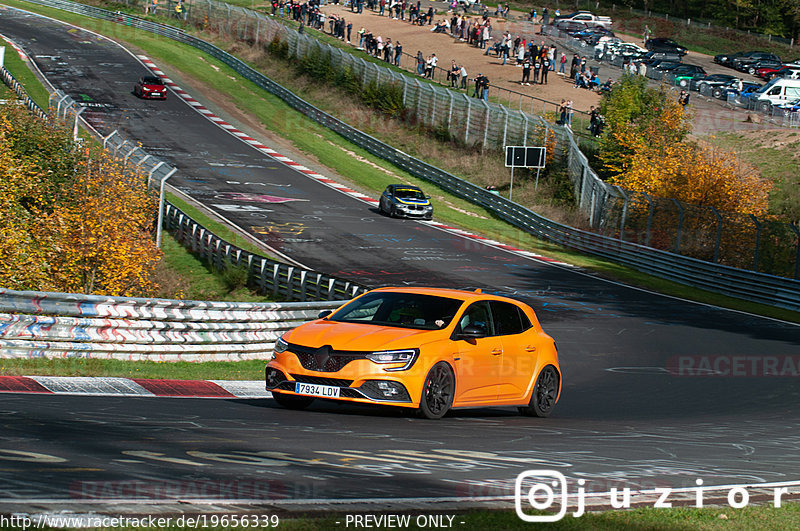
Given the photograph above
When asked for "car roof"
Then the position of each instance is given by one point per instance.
(404, 187)
(464, 295)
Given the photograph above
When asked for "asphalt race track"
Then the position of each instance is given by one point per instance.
(657, 392)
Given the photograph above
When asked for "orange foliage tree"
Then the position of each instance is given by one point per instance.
(77, 224)
(646, 150)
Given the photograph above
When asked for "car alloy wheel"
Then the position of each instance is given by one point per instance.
(292, 401)
(717, 93)
(438, 392)
(545, 393)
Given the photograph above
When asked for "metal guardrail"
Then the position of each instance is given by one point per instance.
(59, 325)
(748, 285)
(268, 276)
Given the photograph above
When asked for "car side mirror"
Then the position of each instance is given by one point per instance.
(472, 332)
(324, 314)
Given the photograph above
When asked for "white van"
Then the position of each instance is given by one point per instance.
(778, 90)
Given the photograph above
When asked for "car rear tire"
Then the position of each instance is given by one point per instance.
(717, 93)
(751, 71)
(545, 393)
(437, 392)
(292, 401)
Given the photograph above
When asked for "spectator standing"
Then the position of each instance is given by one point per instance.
(398, 53)
(463, 77)
(537, 68)
(420, 63)
(563, 63)
(526, 72)
(545, 69)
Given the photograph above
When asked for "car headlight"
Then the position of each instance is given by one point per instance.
(406, 356)
(281, 345)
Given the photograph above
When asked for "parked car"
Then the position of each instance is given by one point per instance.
(584, 17)
(714, 82)
(651, 57)
(424, 349)
(621, 49)
(150, 87)
(569, 26)
(746, 60)
(683, 74)
(721, 92)
(784, 70)
(404, 200)
(725, 59)
(777, 91)
(665, 66)
(792, 106)
(662, 44)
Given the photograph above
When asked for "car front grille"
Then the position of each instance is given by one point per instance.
(324, 359)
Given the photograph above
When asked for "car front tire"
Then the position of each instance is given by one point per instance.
(292, 401)
(717, 93)
(545, 393)
(437, 392)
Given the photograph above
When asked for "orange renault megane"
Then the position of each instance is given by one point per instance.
(423, 348)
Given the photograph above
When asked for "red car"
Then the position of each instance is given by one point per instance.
(777, 71)
(150, 87)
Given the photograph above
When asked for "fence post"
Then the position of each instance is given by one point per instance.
(758, 241)
(649, 220)
(505, 125)
(624, 212)
(450, 112)
(469, 115)
(680, 226)
(797, 251)
(486, 124)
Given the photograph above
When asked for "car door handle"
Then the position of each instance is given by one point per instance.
(530, 348)
(497, 352)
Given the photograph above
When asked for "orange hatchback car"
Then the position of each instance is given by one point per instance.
(424, 348)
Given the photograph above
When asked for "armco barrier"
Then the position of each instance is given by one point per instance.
(268, 276)
(60, 325)
(748, 285)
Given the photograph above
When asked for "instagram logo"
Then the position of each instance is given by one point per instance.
(540, 488)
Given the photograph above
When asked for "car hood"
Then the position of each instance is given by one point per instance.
(356, 336)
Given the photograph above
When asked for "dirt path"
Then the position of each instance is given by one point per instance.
(447, 48)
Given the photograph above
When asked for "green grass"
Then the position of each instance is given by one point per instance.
(25, 76)
(333, 151)
(181, 370)
(776, 161)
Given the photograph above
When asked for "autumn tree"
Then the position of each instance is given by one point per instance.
(647, 149)
(70, 220)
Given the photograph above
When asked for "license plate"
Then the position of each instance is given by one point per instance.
(157, 94)
(325, 391)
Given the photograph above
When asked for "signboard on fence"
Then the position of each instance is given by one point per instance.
(525, 157)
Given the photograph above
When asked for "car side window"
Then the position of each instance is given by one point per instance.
(508, 318)
(478, 315)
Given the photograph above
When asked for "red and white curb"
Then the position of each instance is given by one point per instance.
(199, 107)
(138, 387)
(19, 50)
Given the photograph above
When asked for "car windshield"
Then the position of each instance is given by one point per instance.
(409, 193)
(403, 310)
(151, 81)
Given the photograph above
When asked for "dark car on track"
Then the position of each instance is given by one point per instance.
(661, 44)
(404, 200)
(151, 88)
